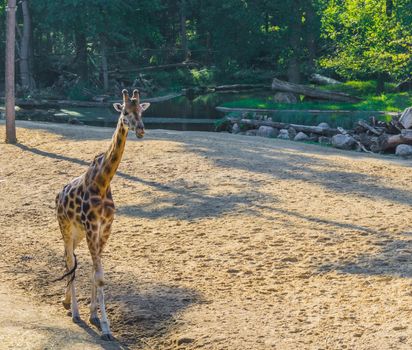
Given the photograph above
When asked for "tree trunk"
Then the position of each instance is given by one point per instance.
(386, 142)
(294, 35)
(280, 85)
(81, 55)
(183, 30)
(310, 26)
(25, 74)
(380, 84)
(10, 81)
(389, 8)
(105, 70)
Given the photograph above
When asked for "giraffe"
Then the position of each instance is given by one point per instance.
(85, 208)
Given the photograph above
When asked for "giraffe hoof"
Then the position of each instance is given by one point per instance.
(107, 337)
(77, 319)
(66, 305)
(95, 321)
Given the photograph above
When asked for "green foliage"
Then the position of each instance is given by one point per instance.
(391, 102)
(235, 41)
(76, 92)
(202, 76)
(359, 88)
(365, 40)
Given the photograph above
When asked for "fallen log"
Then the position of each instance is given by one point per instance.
(278, 125)
(159, 67)
(285, 86)
(239, 87)
(372, 129)
(322, 80)
(388, 142)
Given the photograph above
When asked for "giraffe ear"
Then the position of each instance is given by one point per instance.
(145, 106)
(118, 107)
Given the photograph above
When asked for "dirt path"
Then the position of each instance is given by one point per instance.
(26, 324)
(220, 241)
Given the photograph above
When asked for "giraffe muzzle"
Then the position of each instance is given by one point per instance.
(139, 133)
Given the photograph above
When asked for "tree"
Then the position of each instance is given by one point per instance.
(10, 81)
(367, 40)
(26, 76)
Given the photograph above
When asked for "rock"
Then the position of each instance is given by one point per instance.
(343, 141)
(323, 140)
(404, 151)
(235, 128)
(267, 131)
(313, 137)
(75, 121)
(283, 134)
(301, 136)
(285, 97)
(292, 133)
(184, 340)
(324, 125)
(251, 132)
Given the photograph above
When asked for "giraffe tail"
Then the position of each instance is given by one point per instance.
(71, 273)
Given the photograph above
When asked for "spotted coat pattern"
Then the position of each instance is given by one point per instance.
(85, 208)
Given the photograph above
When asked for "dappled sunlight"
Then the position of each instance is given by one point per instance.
(219, 231)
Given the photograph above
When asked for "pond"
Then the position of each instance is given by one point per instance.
(200, 114)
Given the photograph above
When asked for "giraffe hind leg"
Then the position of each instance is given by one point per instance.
(70, 298)
(70, 301)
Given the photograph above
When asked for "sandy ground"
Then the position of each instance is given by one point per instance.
(26, 324)
(220, 242)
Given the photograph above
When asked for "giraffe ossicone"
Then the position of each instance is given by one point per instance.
(85, 208)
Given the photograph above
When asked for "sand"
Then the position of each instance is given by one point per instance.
(219, 242)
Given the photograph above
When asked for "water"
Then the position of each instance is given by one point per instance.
(200, 114)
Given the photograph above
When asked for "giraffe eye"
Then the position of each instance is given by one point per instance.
(125, 113)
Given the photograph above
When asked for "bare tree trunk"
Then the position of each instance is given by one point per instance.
(105, 70)
(183, 30)
(295, 36)
(310, 26)
(380, 83)
(25, 75)
(389, 8)
(81, 55)
(10, 81)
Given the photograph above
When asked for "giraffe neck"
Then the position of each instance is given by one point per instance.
(111, 159)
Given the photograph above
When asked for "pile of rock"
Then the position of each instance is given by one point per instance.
(288, 132)
(373, 136)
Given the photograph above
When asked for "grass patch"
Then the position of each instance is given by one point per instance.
(388, 101)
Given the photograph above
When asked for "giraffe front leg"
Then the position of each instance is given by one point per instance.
(94, 319)
(105, 325)
(98, 285)
(97, 298)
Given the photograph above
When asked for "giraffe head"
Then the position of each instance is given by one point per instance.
(131, 112)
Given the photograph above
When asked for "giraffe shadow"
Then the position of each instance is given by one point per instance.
(147, 309)
(139, 310)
